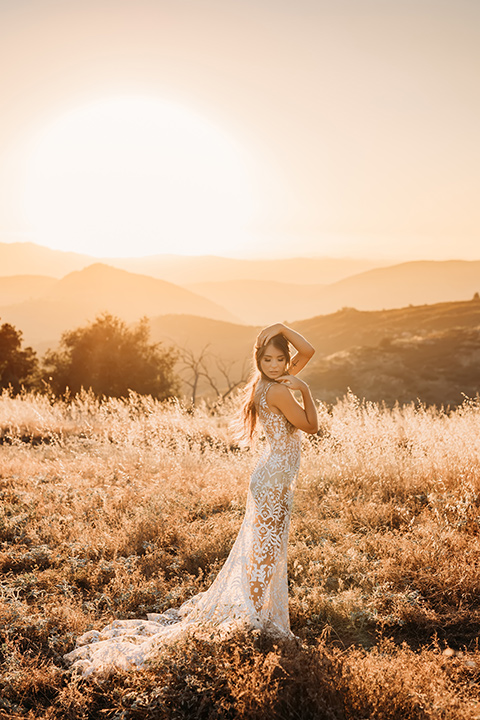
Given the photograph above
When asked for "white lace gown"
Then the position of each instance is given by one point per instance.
(250, 590)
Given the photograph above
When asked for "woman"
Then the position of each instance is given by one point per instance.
(251, 588)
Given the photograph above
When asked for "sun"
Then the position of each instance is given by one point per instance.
(133, 176)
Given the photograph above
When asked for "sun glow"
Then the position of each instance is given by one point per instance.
(137, 176)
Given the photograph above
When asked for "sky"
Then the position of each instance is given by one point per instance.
(249, 128)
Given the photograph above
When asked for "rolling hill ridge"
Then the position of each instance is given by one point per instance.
(412, 283)
(32, 259)
(80, 296)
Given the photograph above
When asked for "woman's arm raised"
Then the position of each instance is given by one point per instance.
(303, 418)
(304, 350)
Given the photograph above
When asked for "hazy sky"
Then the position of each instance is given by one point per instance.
(358, 119)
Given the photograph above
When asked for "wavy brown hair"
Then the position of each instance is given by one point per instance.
(249, 412)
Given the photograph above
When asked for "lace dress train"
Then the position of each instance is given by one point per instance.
(251, 588)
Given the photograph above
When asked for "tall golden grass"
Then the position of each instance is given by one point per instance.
(116, 508)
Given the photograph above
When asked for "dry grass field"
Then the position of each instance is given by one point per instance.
(118, 508)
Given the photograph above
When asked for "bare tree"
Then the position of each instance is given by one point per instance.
(192, 368)
(217, 372)
(226, 371)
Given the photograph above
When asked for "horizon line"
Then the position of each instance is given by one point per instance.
(262, 258)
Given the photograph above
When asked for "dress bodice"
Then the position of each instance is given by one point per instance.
(283, 438)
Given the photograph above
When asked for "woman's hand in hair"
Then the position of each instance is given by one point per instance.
(304, 349)
(264, 337)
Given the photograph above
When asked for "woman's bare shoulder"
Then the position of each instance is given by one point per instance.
(277, 388)
(277, 391)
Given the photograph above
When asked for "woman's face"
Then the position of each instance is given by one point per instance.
(273, 363)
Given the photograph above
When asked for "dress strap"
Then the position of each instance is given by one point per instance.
(263, 396)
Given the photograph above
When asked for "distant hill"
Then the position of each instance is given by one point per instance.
(231, 341)
(263, 291)
(388, 287)
(427, 352)
(83, 294)
(19, 288)
(184, 270)
(129, 294)
(349, 328)
(27, 258)
(414, 283)
(435, 368)
(259, 302)
(31, 259)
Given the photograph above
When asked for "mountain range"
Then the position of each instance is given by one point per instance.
(412, 283)
(426, 351)
(31, 259)
(43, 306)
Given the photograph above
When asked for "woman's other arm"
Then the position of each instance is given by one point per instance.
(303, 418)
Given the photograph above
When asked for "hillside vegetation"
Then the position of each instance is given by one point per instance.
(118, 508)
(349, 327)
(436, 368)
(429, 353)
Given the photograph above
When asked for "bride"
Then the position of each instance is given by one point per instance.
(251, 588)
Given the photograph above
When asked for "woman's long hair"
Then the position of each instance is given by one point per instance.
(249, 412)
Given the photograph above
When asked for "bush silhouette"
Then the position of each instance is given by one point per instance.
(17, 366)
(110, 358)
